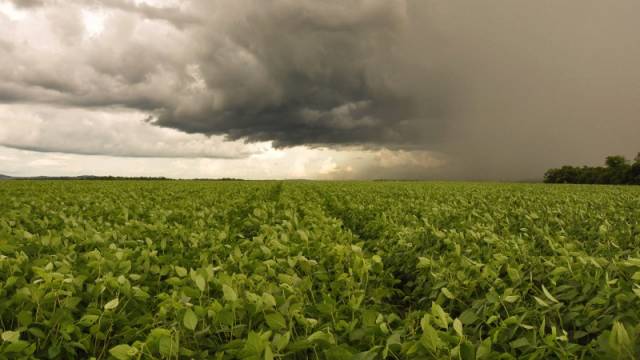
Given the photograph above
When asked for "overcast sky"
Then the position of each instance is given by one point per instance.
(331, 89)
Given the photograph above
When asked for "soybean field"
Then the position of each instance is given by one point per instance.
(318, 270)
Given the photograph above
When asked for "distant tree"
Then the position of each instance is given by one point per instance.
(564, 175)
(615, 161)
(634, 172)
(551, 176)
(617, 171)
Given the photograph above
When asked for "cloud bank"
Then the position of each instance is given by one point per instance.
(122, 134)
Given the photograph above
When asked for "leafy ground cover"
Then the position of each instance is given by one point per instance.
(295, 270)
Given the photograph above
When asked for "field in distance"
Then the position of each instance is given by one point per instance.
(335, 270)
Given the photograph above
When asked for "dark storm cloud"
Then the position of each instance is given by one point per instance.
(306, 72)
(503, 89)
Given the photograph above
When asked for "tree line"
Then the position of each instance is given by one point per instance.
(617, 170)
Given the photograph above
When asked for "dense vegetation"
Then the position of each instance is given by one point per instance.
(618, 171)
(264, 270)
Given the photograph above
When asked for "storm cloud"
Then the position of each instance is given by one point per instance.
(500, 89)
(292, 72)
(308, 72)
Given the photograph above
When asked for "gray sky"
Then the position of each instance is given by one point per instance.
(494, 89)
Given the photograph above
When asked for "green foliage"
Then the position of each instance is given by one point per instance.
(335, 270)
(618, 171)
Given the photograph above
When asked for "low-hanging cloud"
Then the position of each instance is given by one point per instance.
(119, 134)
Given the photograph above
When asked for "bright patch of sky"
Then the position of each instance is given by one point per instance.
(94, 21)
(10, 11)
